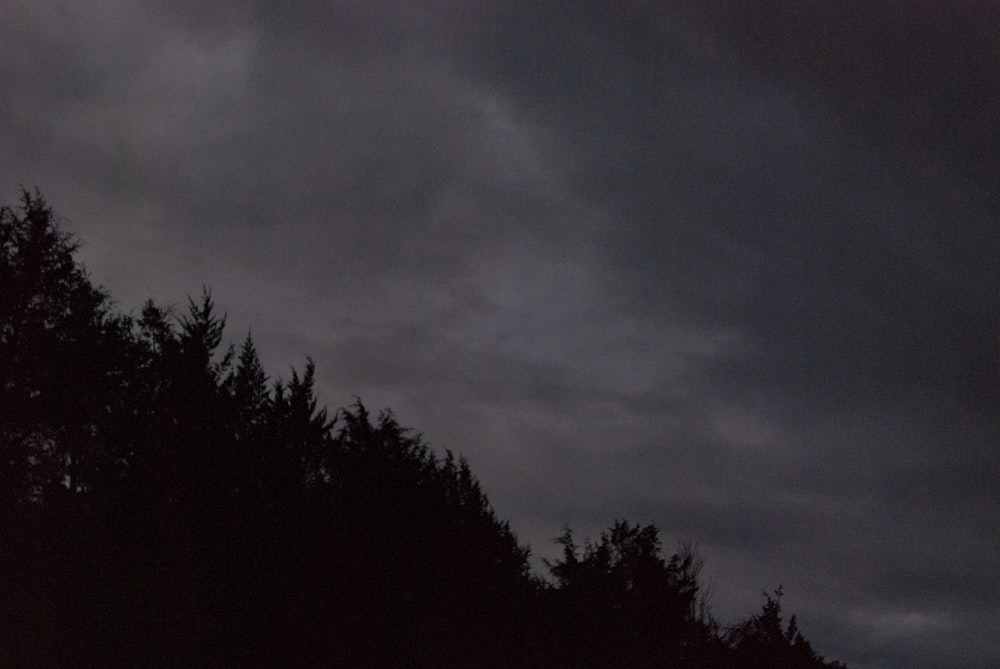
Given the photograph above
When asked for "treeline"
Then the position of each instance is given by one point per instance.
(163, 503)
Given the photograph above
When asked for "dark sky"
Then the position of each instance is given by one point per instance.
(734, 270)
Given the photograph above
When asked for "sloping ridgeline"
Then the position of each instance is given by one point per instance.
(163, 503)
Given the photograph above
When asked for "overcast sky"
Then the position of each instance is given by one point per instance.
(734, 270)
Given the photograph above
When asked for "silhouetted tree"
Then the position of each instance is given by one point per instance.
(61, 354)
(52, 322)
(622, 604)
(764, 641)
(435, 577)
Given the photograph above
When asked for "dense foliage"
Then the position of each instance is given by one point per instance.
(163, 503)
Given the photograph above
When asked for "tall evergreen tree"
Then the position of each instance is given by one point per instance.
(52, 321)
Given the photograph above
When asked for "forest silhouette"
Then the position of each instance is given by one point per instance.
(164, 503)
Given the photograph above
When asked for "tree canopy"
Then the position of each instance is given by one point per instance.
(163, 502)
